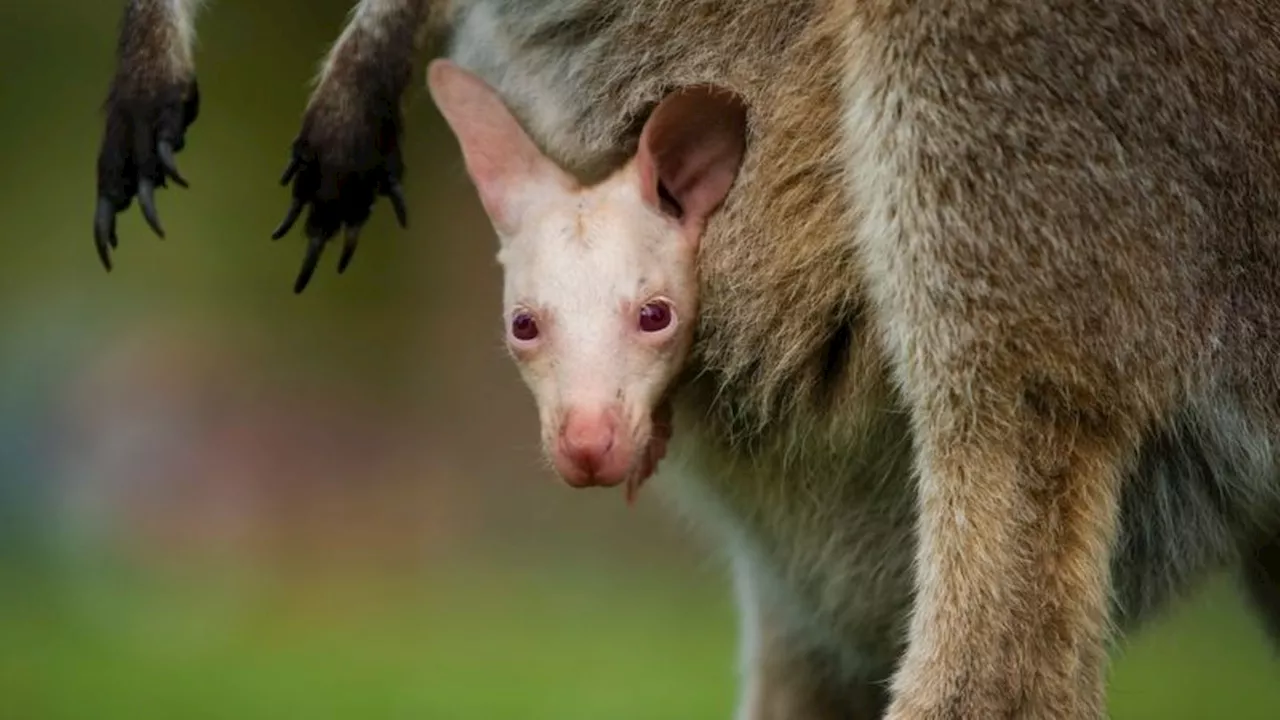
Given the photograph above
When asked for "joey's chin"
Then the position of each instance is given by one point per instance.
(606, 472)
(631, 458)
(578, 478)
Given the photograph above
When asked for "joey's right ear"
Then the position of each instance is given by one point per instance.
(503, 162)
(691, 149)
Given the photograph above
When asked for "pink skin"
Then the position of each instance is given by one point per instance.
(592, 451)
(600, 281)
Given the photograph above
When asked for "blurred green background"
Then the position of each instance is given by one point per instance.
(220, 500)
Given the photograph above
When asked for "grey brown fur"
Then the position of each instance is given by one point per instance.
(987, 369)
(346, 154)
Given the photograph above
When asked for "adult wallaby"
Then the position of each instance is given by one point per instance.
(985, 363)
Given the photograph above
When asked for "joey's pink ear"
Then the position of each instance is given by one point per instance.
(690, 152)
(501, 159)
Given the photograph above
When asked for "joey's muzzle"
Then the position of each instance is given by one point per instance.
(593, 448)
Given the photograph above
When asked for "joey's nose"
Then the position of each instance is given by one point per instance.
(586, 440)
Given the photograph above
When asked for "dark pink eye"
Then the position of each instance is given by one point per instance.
(524, 327)
(655, 316)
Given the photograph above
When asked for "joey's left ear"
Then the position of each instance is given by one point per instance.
(502, 160)
(690, 152)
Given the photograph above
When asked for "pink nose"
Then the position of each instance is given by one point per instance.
(586, 439)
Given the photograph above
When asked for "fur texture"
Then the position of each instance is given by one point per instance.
(153, 99)
(347, 152)
(986, 365)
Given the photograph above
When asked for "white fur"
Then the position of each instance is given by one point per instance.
(181, 50)
(585, 260)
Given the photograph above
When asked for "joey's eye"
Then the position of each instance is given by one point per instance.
(655, 316)
(524, 327)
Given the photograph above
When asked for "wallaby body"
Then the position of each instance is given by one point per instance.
(985, 360)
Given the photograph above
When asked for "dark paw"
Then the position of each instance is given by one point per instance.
(339, 174)
(145, 129)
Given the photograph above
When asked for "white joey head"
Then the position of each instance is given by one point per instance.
(600, 281)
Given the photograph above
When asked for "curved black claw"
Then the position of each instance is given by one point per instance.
(349, 248)
(315, 246)
(104, 231)
(145, 128)
(339, 173)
